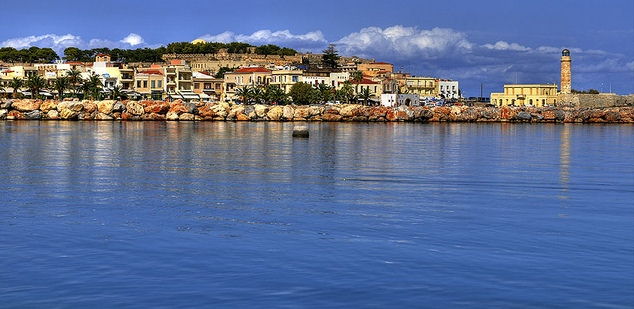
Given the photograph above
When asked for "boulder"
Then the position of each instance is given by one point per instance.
(67, 114)
(157, 107)
(177, 107)
(134, 108)
(288, 112)
(153, 116)
(105, 107)
(26, 105)
(523, 116)
(3, 113)
(33, 115)
(118, 107)
(191, 107)
(15, 115)
(275, 113)
(242, 117)
(260, 110)
(6, 104)
(302, 113)
(171, 116)
(48, 105)
(103, 116)
(89, 107)
(186, 116)
(331, 117)
(52, 114)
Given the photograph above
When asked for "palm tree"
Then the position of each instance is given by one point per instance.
(116, 93)
(274, 94)
(356, 77)
(61, 84)
(35, 83)
(257, 94)
(365, 95)
(325, 92)
(74, 78)
(93, 85)
(244, 93)
(16, 83)
(346, 93)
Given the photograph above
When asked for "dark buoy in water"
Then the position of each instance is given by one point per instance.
(300, 132)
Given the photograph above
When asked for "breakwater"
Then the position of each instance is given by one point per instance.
(27, 109)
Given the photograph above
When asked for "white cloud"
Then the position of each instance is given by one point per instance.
(309, 40)
(46, 40)
(502, 45)
(404, 42)
(60, 42)
(133, 39)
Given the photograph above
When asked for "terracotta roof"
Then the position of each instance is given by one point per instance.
(156, 72)
(364, 81)
(252, 70)
(102, 55)
(381, 63)
(7, 71)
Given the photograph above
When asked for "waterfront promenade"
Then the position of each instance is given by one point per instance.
(112, 110)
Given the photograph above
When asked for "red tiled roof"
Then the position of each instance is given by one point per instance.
(252, 70)
(156, 72)
(102, 55)
(381, 63)
(364, 81)
(7, 71)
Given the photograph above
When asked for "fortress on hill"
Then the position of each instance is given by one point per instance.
(213, 62)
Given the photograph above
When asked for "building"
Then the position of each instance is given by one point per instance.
(375, 88)
(178, 81)
(374, 69)
(393, 99)
(526, 95)
(207, 86)
(566, 75)
(149, 83)
(250, 76)
(448, 89)
(422, 86)
(285, 79)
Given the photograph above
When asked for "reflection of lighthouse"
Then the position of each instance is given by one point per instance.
(565, 72)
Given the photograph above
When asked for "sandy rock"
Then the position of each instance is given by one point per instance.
(331, 117)
(171, 116)
(3, 113)
(105, 107)
(275, 113)
(26, 105)
(134, 108)
(260, 110)
(302, 113)
(89, 107)
(186, 116)
(118, 107)
(52, 114)
(48, 105)
(103, 116)
(15, 115)
(288, 112)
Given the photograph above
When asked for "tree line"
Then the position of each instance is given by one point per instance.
(301, 94)
(30, 55)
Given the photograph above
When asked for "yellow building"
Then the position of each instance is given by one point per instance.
(149, 83)
(285, 79)
(526, 95)
(251, 76)
(376, 68)
(375, 88)
(422, 86)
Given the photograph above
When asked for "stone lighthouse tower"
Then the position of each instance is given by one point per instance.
(565, 72)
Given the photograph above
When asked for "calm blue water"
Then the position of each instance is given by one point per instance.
(158, 214)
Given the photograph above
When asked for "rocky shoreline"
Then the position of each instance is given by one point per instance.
(27, 109)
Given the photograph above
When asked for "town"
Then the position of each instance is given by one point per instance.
(216, 72)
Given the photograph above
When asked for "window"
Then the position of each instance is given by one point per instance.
(145, 84)
(196, 85)
(153, 84)
(138, 84)
(160, 84)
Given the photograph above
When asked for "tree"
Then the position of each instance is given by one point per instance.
(302, 93)
(221, 72)
(115, 93)
(330, 58)
(257, 94)
(365, 95)
(35, 83)
(346, 93)
(356, 77)
(61, 84)
(74, 79)
(326, 93)
(274, 95)
(244, 94)
(95, 86)
(16, 83)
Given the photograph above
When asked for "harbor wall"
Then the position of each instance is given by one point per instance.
(110, 110)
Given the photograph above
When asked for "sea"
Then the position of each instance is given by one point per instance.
(358, 215)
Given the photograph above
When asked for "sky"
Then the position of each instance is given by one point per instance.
(486, 42)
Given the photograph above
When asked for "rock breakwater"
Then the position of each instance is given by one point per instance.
(110, 110)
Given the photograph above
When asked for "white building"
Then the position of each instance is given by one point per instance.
(448, 89)
(393, 100)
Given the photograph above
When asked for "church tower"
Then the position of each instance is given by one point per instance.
(565, 72)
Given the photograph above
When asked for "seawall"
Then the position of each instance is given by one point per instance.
(181, 111)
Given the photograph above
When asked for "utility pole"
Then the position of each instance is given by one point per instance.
(481, 99)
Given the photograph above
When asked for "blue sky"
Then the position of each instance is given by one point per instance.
(490, 42)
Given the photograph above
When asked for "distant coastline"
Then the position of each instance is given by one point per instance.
(111, 110)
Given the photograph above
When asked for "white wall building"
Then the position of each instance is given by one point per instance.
(449, 89)
(392, 100)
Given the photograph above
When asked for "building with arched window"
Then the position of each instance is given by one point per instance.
(526, 95)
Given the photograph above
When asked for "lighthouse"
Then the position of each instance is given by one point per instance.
(565, 72)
